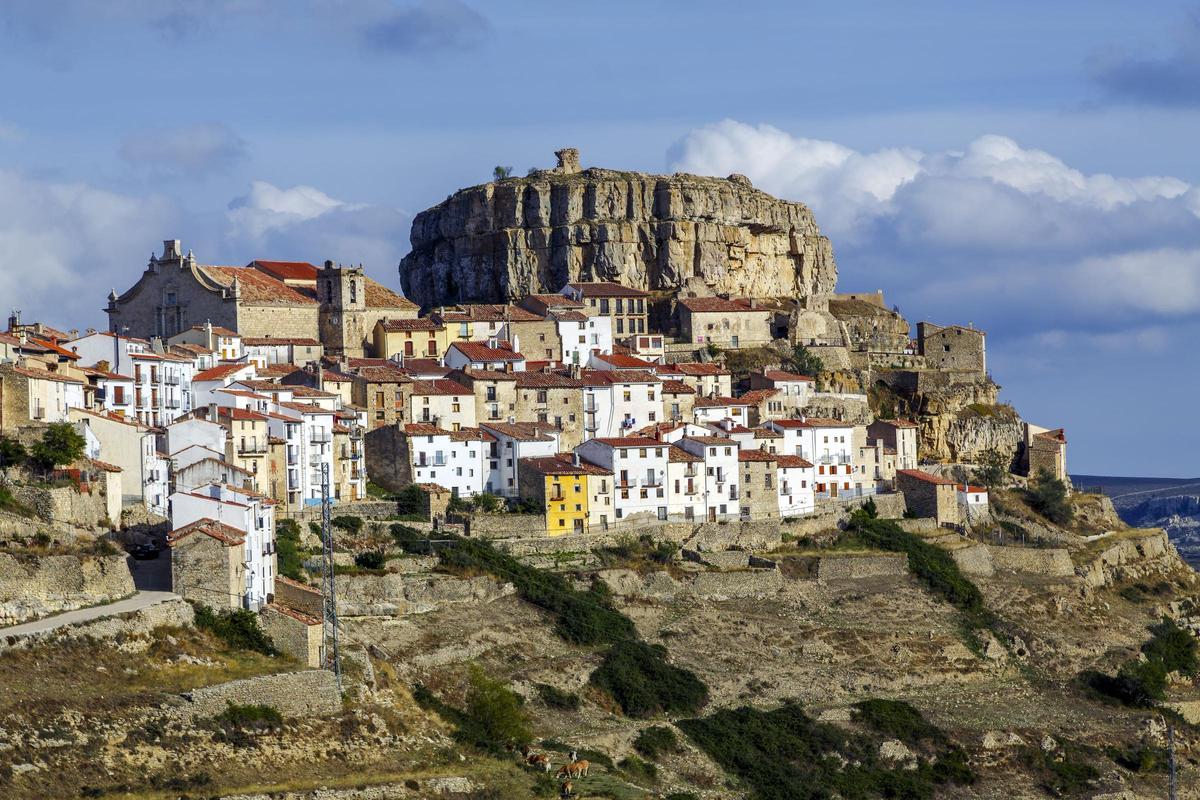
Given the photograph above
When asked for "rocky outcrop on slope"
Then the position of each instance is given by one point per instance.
(516, 236)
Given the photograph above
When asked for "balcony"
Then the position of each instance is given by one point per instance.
(38, 412)
(315, 460)
(253, 448)
(320, 437)
(293, 455)
(171, 380)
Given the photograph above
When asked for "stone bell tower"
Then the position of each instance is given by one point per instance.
(342, 293)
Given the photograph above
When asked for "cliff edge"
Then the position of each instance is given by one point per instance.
(516, 236)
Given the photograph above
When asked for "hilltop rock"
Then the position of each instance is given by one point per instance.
(502, 240)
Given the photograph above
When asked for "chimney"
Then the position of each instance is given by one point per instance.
(753, 303)
(575, 459)
(515, 343)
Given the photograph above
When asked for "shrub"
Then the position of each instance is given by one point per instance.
(60, 444)
(557, 698)
(1142, 683)
(1060, 776)
(348, 523)
(237, 628)
(369, 559)
(639, 678)
(870, 509)
(12, 452)
(1048, 496)
(487, 503)
(10, 503)
(287, 547)
(1173, 647)
(411, 500)
(656, 740)
(804, 361)
(637, 769)
(494, 718)
(992, 470)
(897, 720)
(238, 725)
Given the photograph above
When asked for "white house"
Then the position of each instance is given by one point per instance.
(581, 335)
(454, 459)
(190, 431)
(721, 493)
(973, 500)
(130, 445)
(512, 442)
(225, 343)
(492, 354)
(796, 480)
(685, 485)
(249, 512)
(708, 380)
(899, 434)
(716, 408)
(828, 443)
(114, 393)
(219, 377)
(162, 382)
(611, 361)
(639, 467)
(619, 401)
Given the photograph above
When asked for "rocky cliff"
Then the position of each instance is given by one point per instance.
(517, 236)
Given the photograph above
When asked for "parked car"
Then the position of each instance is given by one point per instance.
(144, 551)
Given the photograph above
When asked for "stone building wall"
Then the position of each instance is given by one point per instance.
(139, 308)
(299, 597)
(566, 404)
(953, 347)
(37, 586)
(298, 635)
(387, 455)
(752, 328)
(14, 400)
(206, 570)
(278, 321)
(761, 500)
(927, 499)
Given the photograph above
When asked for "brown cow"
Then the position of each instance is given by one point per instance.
(576, 769)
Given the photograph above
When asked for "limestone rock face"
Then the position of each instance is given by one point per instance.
(505, 239)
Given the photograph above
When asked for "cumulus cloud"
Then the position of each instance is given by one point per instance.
(1168, 79)
(304, 222)
(191, 151)
(428, 25)
(64, 245)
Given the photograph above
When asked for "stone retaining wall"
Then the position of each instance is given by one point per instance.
(396, 594)
(749, 583)
(1054, 562)
(299, 597)
(64, 504)
(37, 586)
(854, 567)
(132, 629)
(974, 560)
(311, 692)
(293, 633)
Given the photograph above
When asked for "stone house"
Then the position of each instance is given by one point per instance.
(263, 351)
(728, 323)
(714, 408)
(246, 442)
(678, 400)
(551, 397)
(627, 308)
(206, 564)
(495, 393)
(1046, 450)
(500, 355)
(442, 402)
(953, 347)
(795, 389)
(350, 306)
(764, 404)
(294, 632)
(37, 396)
(901, 435)
(929, 495)
(383, 391)
(706, 379)
(759, 487)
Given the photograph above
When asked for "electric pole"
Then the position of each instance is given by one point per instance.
(329, 631)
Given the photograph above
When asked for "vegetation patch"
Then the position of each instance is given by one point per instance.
(638, 769)
(348, 523)
(1048, 496)
(639, 678)
(1142, 682)
(1062, 774)
(494, 719)
(642, 554)
(652, 742)
(287, 548)
(240, 725)
(786, 754)
(557, 698)
(237, 628)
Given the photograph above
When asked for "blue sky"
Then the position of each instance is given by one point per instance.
(1027, 167)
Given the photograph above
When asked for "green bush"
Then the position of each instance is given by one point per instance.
(237, 628)
(12, 504)
(656, 740)
(1060, 775)
(240, 725)
(639, 678)
(411, 500)
(12, 452)
(348, 523)
(493, 721)
(287, 549)
(557, 698)
(638, 769)
(1048, 496)
(1173, 647)
(682, 796)
(1141, 758)
(369, 559)
(784, 754)
(60, 444)
(992, 470)
(896, 720)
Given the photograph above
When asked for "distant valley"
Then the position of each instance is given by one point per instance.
(1169, 503)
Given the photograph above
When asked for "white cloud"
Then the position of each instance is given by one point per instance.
(267, 208)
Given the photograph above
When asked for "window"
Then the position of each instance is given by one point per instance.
(542, 396)
(620, 325)
(604, 306)
(620, 306)
(627, 396)
(353, 291)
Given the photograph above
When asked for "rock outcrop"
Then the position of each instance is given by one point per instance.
(502, 240)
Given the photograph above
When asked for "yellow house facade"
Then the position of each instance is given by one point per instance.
(561, 487)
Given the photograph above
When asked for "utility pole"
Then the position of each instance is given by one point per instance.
(1171, 788)
(329, 631)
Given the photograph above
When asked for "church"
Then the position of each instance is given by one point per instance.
(339, 305)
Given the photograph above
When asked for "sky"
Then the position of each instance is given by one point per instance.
(1024, 166)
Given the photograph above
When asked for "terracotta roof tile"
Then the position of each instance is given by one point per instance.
(562, 464)
(781, 375)
(259, 288)
(606, 289)
(790, 462)
(722, 305)
(482, 352)
(756, 455)
(210, 527)
(921, 475)
(439, 386)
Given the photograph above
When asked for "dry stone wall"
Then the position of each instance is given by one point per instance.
(311, 692)
(37, 586)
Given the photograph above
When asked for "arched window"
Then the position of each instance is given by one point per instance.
(353, 291)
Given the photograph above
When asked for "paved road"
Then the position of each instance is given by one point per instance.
(139, 601)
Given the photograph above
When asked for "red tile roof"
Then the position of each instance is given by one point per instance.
(217, 330)
(521, 431)
(756, 396)
(556, 301)
(267, 341)
(780, 375)
(482, 352)
(898, 423)
(471, 435)
(677, 455)
(483, 312)
(622, 361)
(562, 464)
(676, 387)
(608, 377)
(756, 455)
(44, 375)
(439, 386)
(379, 296)
(717, 402)
(210, 527)
(717, 440)
(789, 462)
(628, 441)
(696, 369)
(299, 616)
(218, 373)
(419, 324)
(1057, 435)
(259, 288)
(424, 429)
(287, 270)
(721, 305)
(547, 380)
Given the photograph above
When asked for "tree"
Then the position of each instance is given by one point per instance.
(804, 362)
(12, 452)
(287, 548)
(496, 717)
(1047, 495)
(992, 470)
(60, 444)
(500, 173)
(487, 503)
